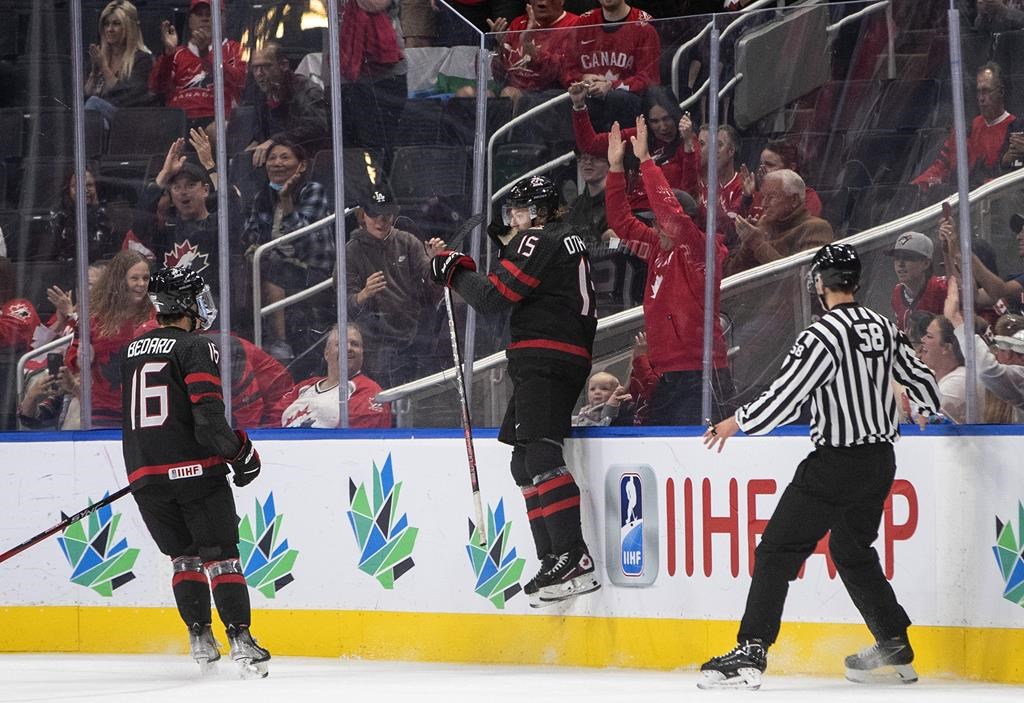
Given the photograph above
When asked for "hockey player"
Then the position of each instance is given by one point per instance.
(177, 449)
(544, 276)
(844, 363)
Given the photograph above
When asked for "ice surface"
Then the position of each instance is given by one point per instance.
(167, 679)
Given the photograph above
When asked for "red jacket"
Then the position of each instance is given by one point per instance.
(674, 292)
(185, 80)
(516, 68)
(18, 323)
(627, 51)
(590, 142)
(932, 299)
(984, 148)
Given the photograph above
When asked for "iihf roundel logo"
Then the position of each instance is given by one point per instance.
(631, 525)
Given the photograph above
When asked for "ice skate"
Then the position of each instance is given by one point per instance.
(204, 648)
(531, 589)
(251, 658)
(571, 575)
(740, 668)
(888, 661)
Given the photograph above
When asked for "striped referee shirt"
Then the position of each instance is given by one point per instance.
(845, 363)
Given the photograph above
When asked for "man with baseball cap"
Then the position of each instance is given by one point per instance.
(917, 288)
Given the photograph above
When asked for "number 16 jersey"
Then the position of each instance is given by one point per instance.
(173, 410)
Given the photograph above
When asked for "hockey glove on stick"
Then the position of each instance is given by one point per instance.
(444, 265)
(246, 463)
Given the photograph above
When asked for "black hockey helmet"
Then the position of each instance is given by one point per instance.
(181, 291)
(837, 264)
(533, 192)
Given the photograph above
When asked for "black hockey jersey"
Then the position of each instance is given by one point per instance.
(544, 274)
(173, 410)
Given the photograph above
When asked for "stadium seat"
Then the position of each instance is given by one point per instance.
(876, 205)
(145, 130)
(458, 123)
(247, 179)
(822, 157)
(12, 127)
(51, 133)
(835, 208)
(363, 171)
(41, 183)
(887, 157)
(845, 105)
(420, 123)
(447, 166)
(43, 82)
(241, 128)
(511, 161)
(907, 105)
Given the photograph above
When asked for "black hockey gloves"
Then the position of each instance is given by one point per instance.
(246, 463)
(444, 265)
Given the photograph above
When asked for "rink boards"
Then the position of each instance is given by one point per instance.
(362, 547)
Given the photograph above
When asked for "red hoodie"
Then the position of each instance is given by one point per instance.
(674, 291)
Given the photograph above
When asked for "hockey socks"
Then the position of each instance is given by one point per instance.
(230, 592)
(191, 590)
(560, 507)
(538, 526)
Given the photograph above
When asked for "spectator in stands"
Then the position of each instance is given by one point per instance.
(917, 288)
(528, 60)
(374, 87)
(389, 289)
(258, 383)
(985, 140)
(188, 235)
(51, 401)
(999, 367)
(776, 155)
(288, 202)
(615, 52)
(102, 241)
(994, 296)
(121, 63)
(999, 15)
(674, 297)
(588, 211)
(120, 311)
(453, 29)
(183, 75)
(18, 316)
(785, 226)
(286, 103)
(314, 402)
(730, 182)
(941, 353)
(663, 119)
(606, 398)
(64, 306)
(642, 380)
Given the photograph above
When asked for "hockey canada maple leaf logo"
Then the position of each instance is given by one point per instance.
(18, 310)
(187, 254)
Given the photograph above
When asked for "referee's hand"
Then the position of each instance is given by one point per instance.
(717, 434)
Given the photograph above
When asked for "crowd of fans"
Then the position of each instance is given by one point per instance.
(642, 204)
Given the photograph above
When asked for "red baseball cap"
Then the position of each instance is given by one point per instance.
(197, 3)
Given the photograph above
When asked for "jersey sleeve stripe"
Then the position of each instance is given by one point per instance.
(201, 378)
(519, 274)
(503, 289)
(196, 397)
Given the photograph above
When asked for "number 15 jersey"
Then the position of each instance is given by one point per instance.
(173, 410)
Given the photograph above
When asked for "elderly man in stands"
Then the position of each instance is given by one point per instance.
(286, 103)
(986, 140)
(530, 52)
(785, 226)
(615, 52)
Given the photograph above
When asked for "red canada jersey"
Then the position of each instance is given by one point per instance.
(531, 59)
(311, 404)
(932, 299)
(625, 52)
(18, 323)
(185, 80)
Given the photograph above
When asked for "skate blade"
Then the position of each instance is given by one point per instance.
(900, 673)
(536, 602)
(745, 679)
(207, 667)
(579, 586)
(248, 669)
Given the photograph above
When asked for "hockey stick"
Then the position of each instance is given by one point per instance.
(467, 423)
(65, 523)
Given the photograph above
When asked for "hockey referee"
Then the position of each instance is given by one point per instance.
(845, 364)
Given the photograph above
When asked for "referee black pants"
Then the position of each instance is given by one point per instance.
(842, 489)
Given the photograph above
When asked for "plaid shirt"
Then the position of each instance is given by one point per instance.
(316, 250)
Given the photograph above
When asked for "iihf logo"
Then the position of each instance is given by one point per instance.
(631, 525)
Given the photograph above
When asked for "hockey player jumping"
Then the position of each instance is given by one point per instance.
(177, 450)
(544, 277)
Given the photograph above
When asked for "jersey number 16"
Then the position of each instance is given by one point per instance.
(149, 402)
